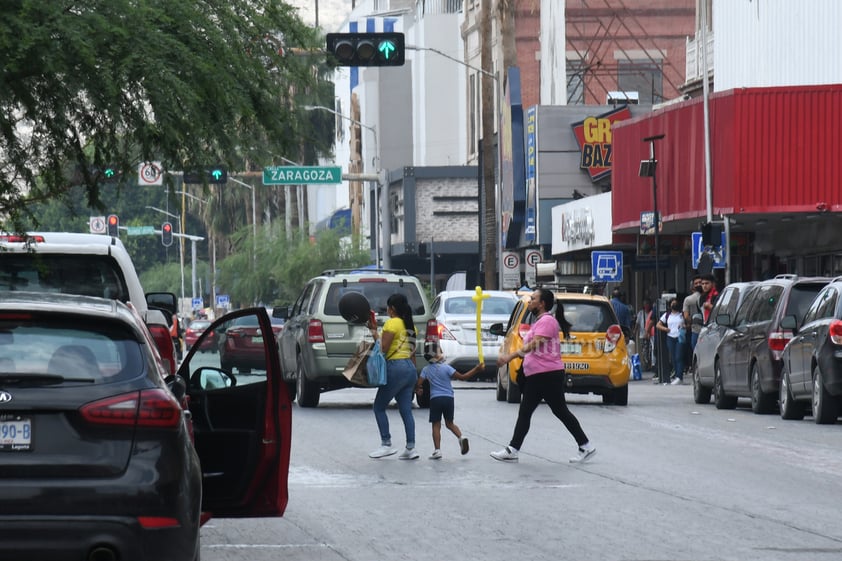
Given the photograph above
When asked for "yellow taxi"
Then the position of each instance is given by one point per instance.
(595, 356)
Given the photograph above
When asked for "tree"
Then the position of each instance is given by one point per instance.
(118, 82)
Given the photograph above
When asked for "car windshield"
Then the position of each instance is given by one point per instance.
(87, 275)
(199, 325)
(245, 321)
(491, 306)
(78, 349)
(377, 293)
(588, 316)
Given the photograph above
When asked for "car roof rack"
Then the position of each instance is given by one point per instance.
(364, 271)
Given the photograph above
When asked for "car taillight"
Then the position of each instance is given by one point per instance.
(163, 340)
(443, 333)
(777, 341)
(12, 238)
(835, 332)
(315, 332)
(612, 337)
(523, 329)
(153, 408)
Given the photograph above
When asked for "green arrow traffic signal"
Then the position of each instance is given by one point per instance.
(386, 48)
(217, 174)
(366, 49)
(109, 172)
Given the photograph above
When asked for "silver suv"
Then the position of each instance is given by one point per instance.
(317, 342)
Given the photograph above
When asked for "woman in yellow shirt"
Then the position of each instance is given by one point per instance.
(398, 345)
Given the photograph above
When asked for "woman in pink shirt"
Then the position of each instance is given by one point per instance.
(544, 373)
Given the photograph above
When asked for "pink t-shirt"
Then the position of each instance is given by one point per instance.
(546, 357)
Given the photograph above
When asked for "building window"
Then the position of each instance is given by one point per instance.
(642, 76)
(576, 82)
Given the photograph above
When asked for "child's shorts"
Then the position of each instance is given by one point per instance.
(441, 406)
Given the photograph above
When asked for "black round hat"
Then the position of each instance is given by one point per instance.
(354, 307)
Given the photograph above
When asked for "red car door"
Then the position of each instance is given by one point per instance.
(242, 424)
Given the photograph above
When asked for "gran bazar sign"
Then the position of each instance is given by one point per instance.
(593, 136)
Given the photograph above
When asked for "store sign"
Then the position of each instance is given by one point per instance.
(577, 227)
(594, 138)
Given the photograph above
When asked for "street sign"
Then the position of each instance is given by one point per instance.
(222, 301)
(530, 259)
(302, 175)
(140, 230)
(718, 253)
(150, 173)
(607, 266)
(97, 224)
(511, 269)
(197, 303)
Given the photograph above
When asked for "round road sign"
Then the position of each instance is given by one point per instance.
(150, 173)
(533, 257)
(511, 261)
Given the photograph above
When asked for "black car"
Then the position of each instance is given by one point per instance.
(812, 360)
(750, 352)
(99, 456)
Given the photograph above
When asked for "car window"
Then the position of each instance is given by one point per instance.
(467, 305)
(515, 315)
(303, 299)
(81, 349)
(765, 302)
(377, 293)
(800, 298)
(318, 287)
(87, 275)
(199, 324)
(588, 316)
(827, 306)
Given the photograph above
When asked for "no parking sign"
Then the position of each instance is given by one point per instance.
(511, 269)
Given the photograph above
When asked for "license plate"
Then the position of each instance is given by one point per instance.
(571, 348)
(15, 433)
(488, 336)
(257, 340)
(576, 365)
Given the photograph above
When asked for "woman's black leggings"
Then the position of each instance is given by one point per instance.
(548, 386)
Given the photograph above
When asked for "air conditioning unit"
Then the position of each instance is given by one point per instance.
(622, 98)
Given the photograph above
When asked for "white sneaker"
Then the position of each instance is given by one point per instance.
(507, 454)
(676, 382)
(436, 455)
(408, 454)
(382, 452)
(584, 454)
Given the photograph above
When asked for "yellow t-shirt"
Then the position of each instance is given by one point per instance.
(400, 347)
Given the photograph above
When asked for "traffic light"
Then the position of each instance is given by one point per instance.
(215, 175)
(166, 234)
(113, 224)
(366, 49)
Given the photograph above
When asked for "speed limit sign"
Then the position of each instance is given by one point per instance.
(150, 173)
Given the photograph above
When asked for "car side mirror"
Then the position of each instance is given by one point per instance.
(281, 312)
(723, 319)
(789, 322)
(497, 329)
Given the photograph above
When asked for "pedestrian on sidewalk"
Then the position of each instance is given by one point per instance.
(544, 376)
(672, 323)
(442, 403)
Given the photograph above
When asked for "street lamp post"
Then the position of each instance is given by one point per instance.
(380, 214)
(193, 240)
(253, 216)
(648, 169)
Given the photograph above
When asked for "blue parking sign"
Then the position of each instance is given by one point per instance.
(718, 253)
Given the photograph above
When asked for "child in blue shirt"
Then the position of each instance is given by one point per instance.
(439, 375)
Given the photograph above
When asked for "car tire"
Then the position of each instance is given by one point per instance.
(512, 392)
(621, 395)
(306, 392)
(791, 410)
(825, 406)
(501, 391)
(761, 403)
(701, 394)
(720, 400)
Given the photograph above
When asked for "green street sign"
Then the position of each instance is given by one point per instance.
(140, 230)
(302, 175)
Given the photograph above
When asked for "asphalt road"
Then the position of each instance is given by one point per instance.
(672, 480)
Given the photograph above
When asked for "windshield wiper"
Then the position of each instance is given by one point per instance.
(33, 380)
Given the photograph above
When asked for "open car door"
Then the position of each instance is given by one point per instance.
(242, 416)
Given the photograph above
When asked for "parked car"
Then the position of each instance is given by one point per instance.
(812, 360)
(99, 457)
(196, 328)
(455, 312)
(317, 341)
(749, 362)
(705, 355)
(88, 265)
(240, 344)
(595, 356)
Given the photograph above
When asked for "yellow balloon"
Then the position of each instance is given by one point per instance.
(478, 298)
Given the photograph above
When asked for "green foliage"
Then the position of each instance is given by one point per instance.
(89, 84)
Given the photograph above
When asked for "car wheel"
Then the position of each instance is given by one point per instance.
(791, 410)
(621, 395)
(825, 409)
(512, 392)
(608, 397)
(501, 391)
(306, 392)
(761, 402)
(721, 400)
(701, 394)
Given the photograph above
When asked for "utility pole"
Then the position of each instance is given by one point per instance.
(489, 184)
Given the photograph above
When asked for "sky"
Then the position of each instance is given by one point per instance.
(331, 12)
